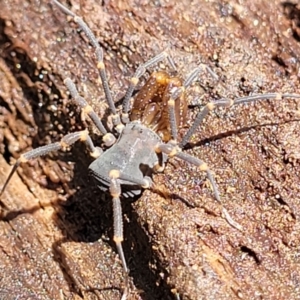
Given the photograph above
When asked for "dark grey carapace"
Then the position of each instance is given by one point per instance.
(144, 136)
(133, 156)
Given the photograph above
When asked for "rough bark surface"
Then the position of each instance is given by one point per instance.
(55, 239)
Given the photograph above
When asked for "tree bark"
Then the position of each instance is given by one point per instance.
(56, 237)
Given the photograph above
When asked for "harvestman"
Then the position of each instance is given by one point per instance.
(147, 132)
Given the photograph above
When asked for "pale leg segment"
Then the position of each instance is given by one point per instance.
(173, 150)
(66, 141)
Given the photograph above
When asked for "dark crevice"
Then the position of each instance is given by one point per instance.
(6, 154)
(58, 256)
(292, 12)
(296, 36)
(4, 105)
(145, 278)
(251, 253)
(279, 61)
(281, 201)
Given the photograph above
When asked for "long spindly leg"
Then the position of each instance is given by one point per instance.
(175, 95)
(173, 150)
(196, 72)
(115, 192)
(108, 138)
(228, 103)
(99, 56)
(66, 141)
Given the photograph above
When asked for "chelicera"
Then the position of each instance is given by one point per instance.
(144, 136)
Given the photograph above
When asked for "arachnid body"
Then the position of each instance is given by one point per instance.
(147, 134)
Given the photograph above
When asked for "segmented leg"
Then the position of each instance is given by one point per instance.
(108, 138)
(174, 150)
(99, 56)
(115, 192)
(102, 73)
(178, 91)
(228, 103)
(66, 141)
